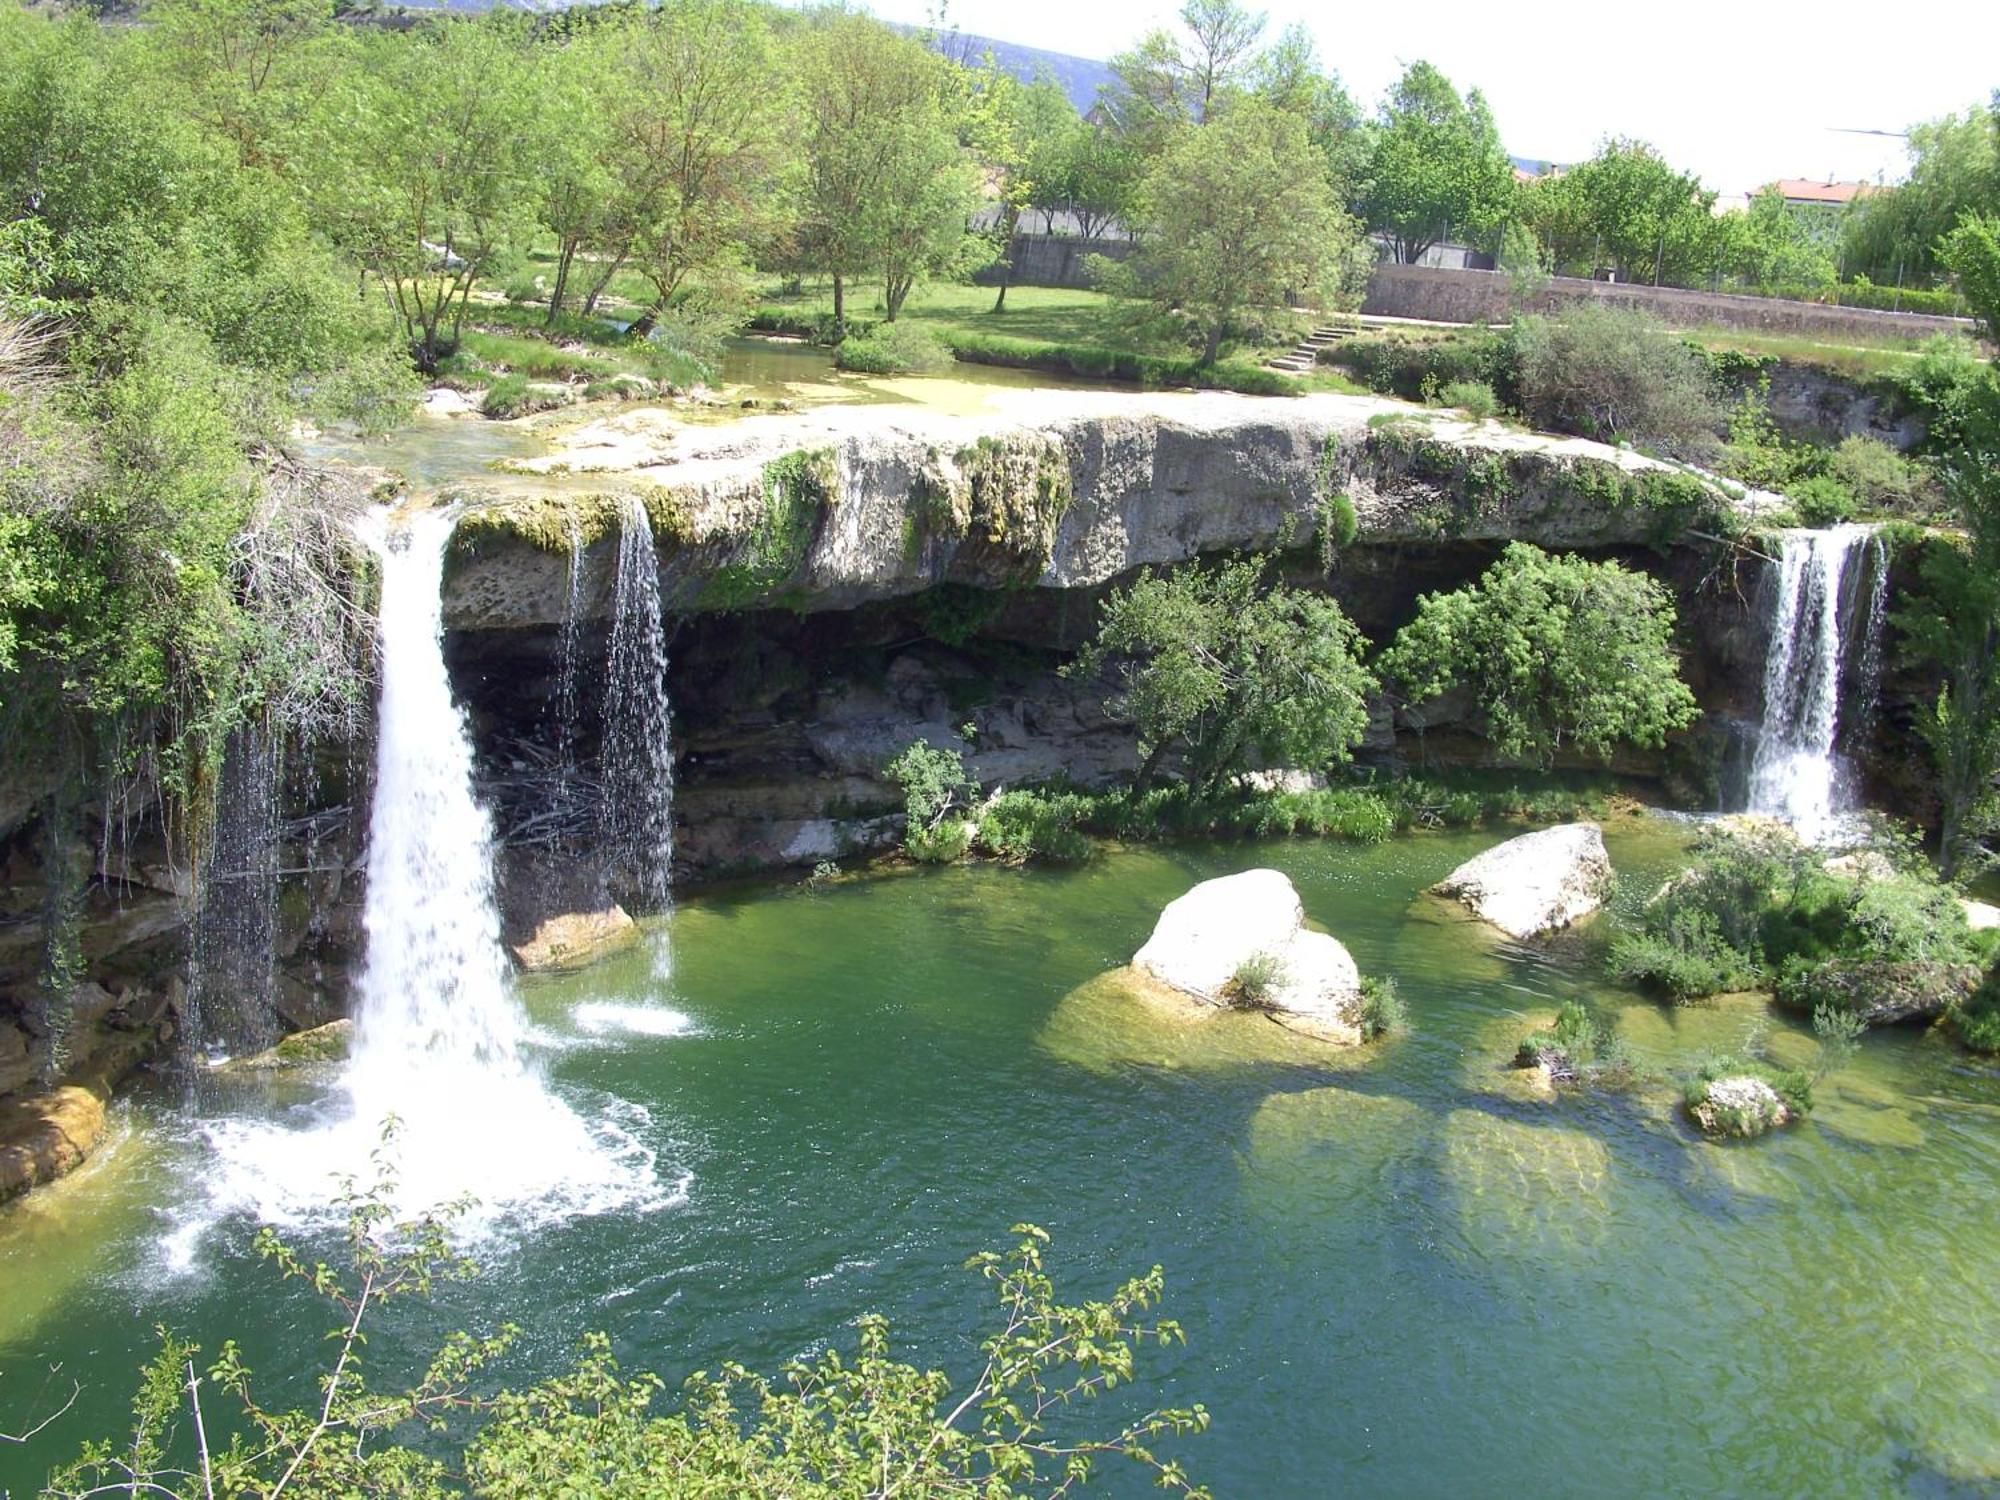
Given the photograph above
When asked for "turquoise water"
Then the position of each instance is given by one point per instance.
(1400, 1271)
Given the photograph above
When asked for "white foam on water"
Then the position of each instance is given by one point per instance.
(440, 1039)
(600, 1016)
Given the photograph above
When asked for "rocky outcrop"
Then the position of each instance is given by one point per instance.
(1739, 1106)
(842, 506)
(322, 1046)
(1882, 992)
(49, 1134)
(576, 940)
(1241, 942)
(1536, 883)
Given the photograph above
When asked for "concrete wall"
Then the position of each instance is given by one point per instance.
(1450, 296)
(1052, 260)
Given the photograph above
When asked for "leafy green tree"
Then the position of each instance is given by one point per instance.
(1226, 669)
(828, 1427)
(1238, 214)
(1288, 76)
(1627, 209)
(1956, 626)
(938, 796)
(1893, 236)
(252, 71)
(1559, 652)
(1769, 245)
(573, 167)
(1170, 80)
(888, 187)
(706, 171)
(428, 171)
(1436, 168)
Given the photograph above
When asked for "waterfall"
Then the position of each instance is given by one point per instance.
(1796, 773)
(441, 1042)
(566, 680)
(637, 762)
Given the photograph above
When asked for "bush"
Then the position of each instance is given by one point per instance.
(1619, 376)
(1383, 1012)
(1473, 397)
(1019, 826)
(1944, 383)
(1256, 982)
(935, 787)
(1095, 362)
(1792, 1086)
(1395, 364)
(1880, 477)
(895, 349)
(509, 397)
(1822, 500)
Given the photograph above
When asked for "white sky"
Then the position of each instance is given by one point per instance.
(1741, 92)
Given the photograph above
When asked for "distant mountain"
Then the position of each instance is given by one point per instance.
(1080, 77)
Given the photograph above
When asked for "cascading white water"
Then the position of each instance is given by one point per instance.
(1796, 772)
(638, 762)
(440, 1039)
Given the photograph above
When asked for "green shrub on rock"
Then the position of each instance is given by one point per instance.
(936, 793)
(1383, 1012)
(1743, 1098)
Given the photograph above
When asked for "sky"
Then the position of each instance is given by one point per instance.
(1741, 92)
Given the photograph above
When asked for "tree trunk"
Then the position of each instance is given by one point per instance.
(611, 269)
(1144, 780)
(839, 307)
(563, 259)
(1214, 346)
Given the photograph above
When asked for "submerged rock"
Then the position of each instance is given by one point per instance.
(302, 1049)
(1537, 883)
(1241, 942)
(1739, 1106)
(576, 940)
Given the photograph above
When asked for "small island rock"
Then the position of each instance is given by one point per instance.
(1205, 938)
(1739, 1106)
(1537, 883)
(576, 940)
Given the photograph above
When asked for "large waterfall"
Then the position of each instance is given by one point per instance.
(1817, 619)
(441, 1042)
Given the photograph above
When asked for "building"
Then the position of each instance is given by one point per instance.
(1820, 206)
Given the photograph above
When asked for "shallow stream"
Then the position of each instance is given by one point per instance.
(1399, 1271)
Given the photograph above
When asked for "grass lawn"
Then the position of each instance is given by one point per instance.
(1855, 357)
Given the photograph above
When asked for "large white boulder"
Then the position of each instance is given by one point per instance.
(1536, 883)
(1204, 940)
(1980, 916)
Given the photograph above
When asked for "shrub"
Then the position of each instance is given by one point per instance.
(1822, 500)
(1019, 826)
(1255, 982)
(1473, 397)
(1383, 1012)
(509, 396)
(1880, 477)
(894, 349)
(1095, 362)
(1619, 376)
(1944, 384)
(935, 788)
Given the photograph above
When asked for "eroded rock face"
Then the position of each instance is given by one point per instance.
(322, 1046)
(1209, 939)
(1537, 883)
(1884, 992)
(844, 506)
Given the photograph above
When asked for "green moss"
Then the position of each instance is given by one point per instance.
(548, 522)
(1014, 493)
(799, 489)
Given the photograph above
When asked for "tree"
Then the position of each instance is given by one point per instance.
(1893, 235)
(1227, 668)
(1436, 167)
(1238, 213)
(887, 185)
(701, 133)
(1288, 76)
(250, 70)
(574, 166)
(1168, 81)
(832, 1425)
(427, 176)
(1956, 625)
(1627, 209)
(1770, 245)
(1558, 652)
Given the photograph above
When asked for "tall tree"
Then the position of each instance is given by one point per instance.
(1237, 213)
(1626, 208)
(1167, 81)
(1893, 236)
(1289, 76)
(701, 142)
(1436, 168)
(887, 185)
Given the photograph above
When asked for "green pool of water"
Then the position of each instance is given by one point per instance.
(1400, 1272)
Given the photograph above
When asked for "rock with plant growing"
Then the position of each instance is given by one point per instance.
(1537, 883)
(1728, 1097)
(1240, 942)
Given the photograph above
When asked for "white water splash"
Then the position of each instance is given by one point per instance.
(440, 1038)
(602, 1016)
(1796, 773)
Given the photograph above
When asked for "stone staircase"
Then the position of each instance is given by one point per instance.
(1305, 358)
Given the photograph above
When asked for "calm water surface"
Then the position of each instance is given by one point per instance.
(1400, 1273)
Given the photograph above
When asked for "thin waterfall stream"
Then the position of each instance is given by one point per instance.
(637, 761)
(1817, 618)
